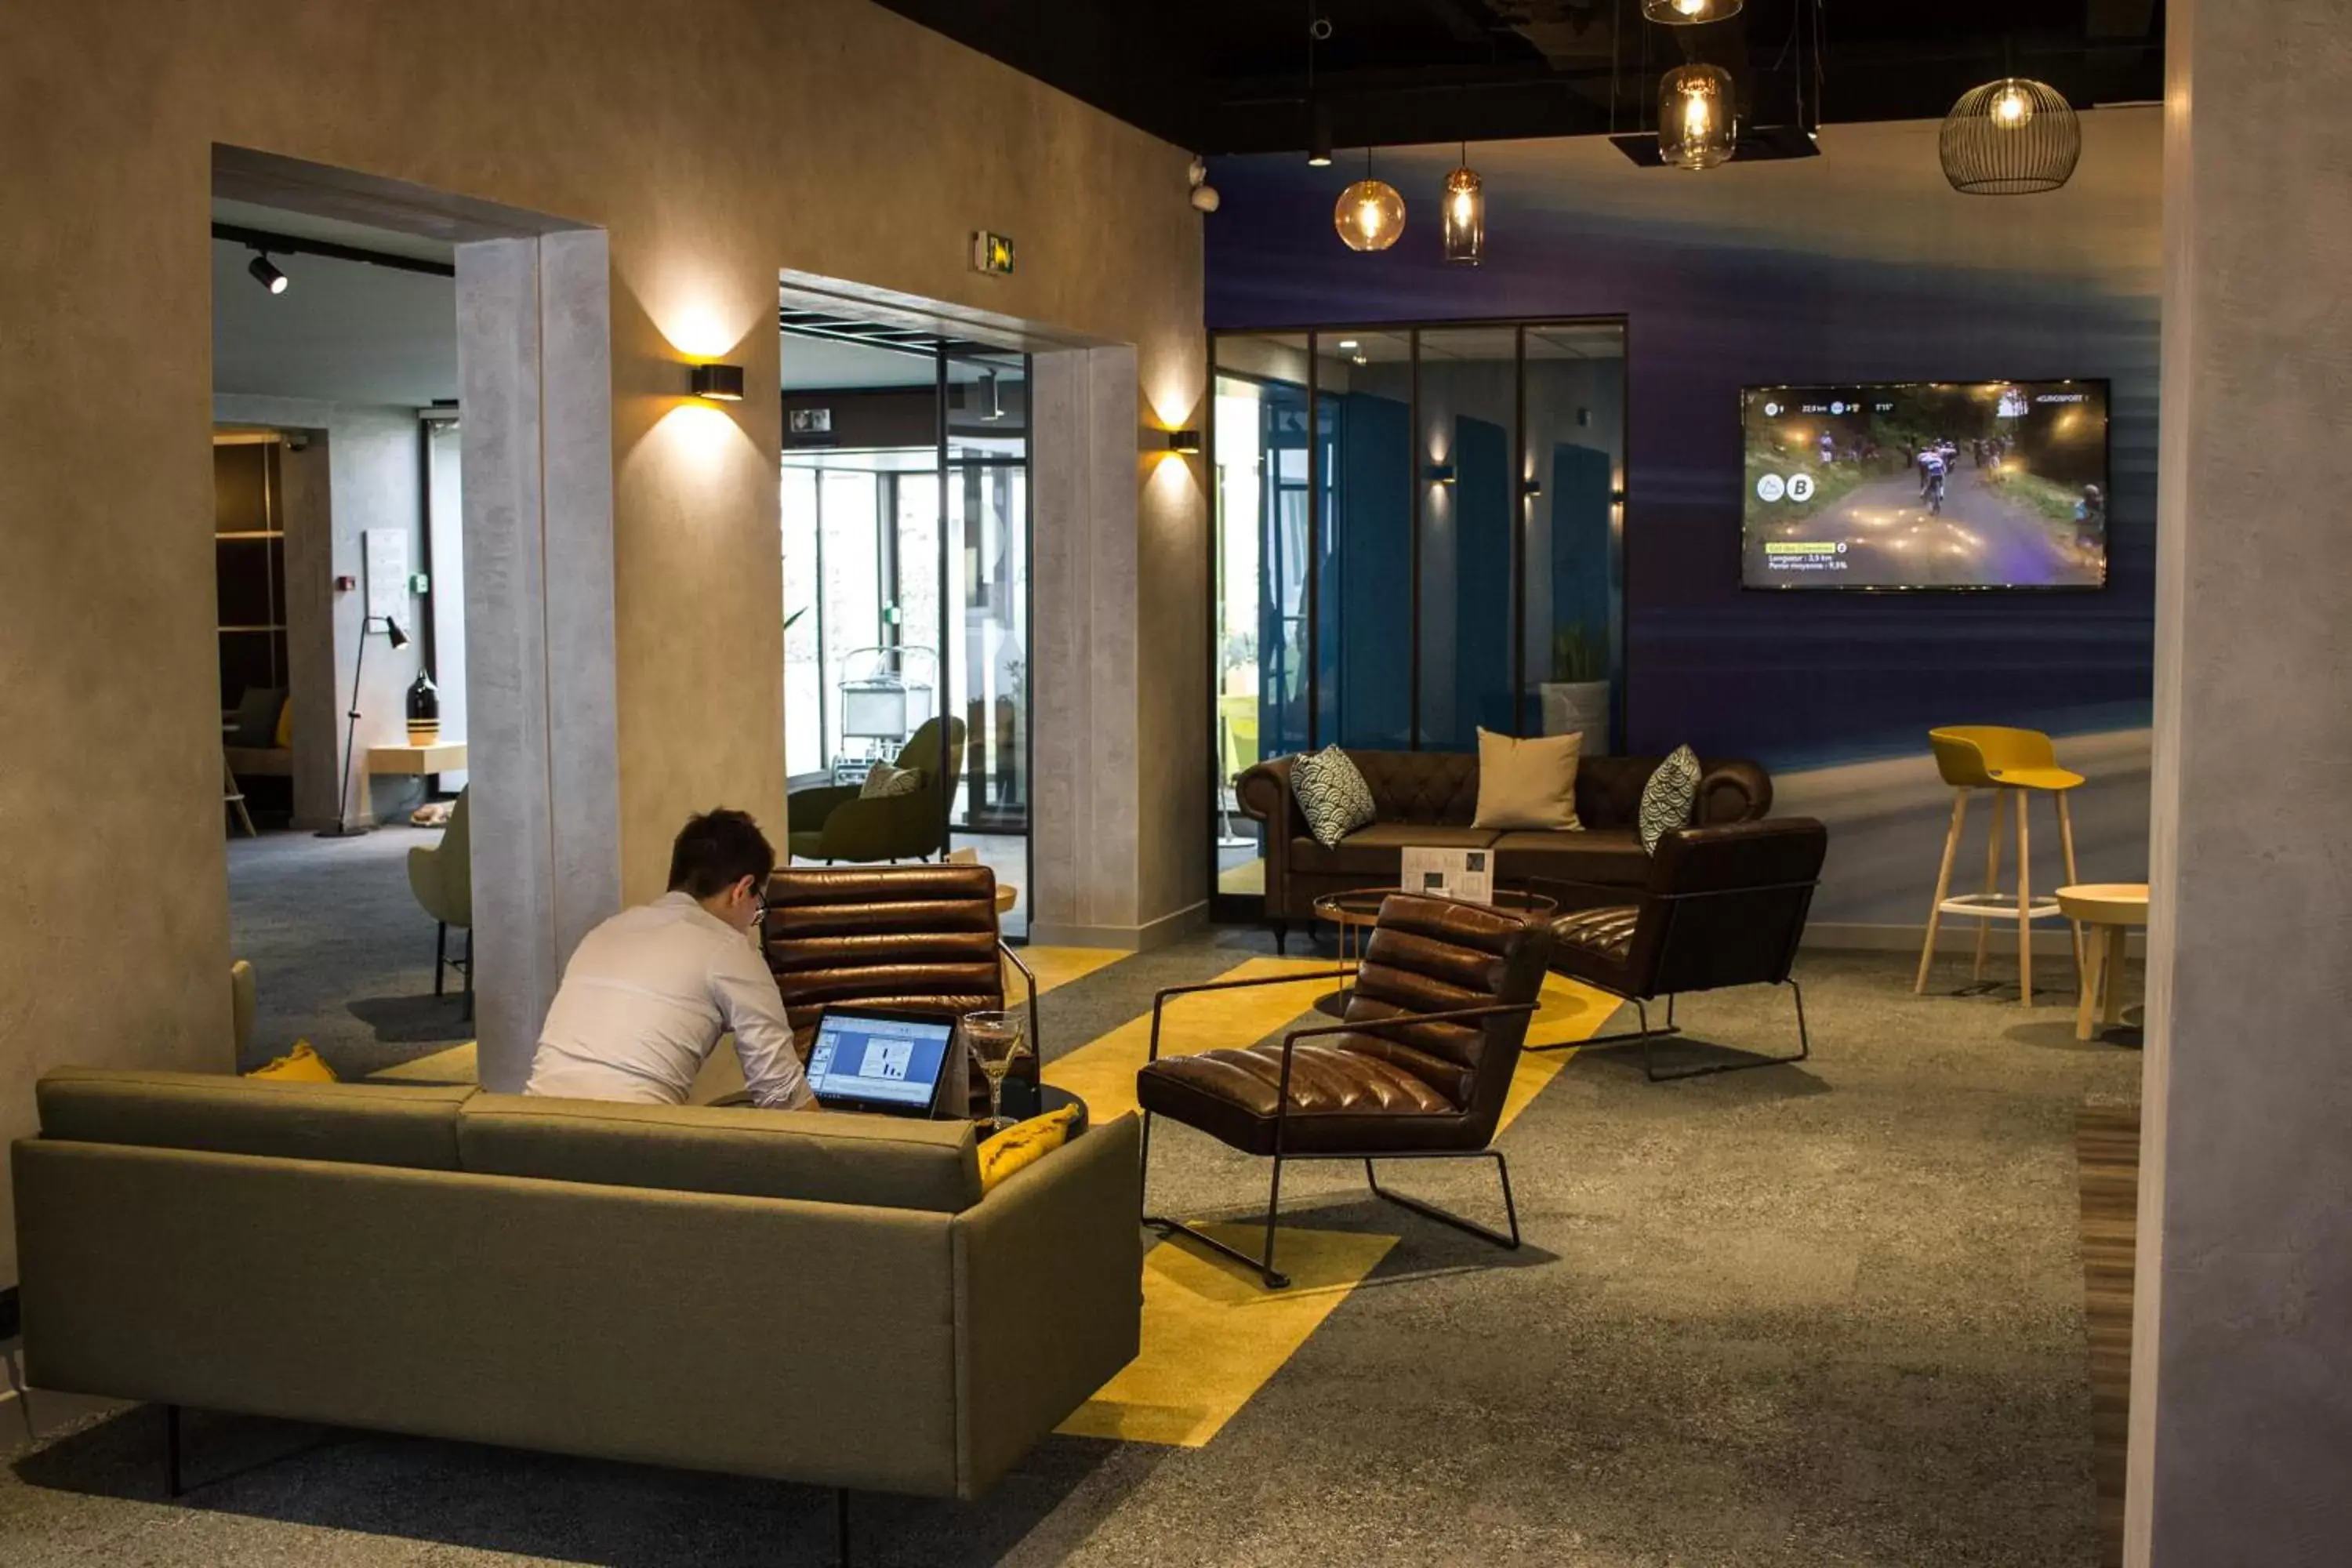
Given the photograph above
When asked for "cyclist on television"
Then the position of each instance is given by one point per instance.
(1932, 467)
(2090, 518)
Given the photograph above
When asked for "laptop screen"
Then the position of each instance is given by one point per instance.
(888, 1060)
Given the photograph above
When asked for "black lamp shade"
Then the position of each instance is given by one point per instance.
(720, 383)
(392, 629)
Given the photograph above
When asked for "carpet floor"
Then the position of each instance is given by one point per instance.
(1823, 1314)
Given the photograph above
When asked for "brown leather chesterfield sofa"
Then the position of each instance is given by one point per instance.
(1430, 798)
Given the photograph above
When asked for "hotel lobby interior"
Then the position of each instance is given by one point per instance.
(1536, 782)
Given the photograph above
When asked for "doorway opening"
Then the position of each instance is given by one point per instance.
(907, 531)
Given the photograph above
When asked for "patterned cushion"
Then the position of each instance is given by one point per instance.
(885, 781)
(1331, 790)
(1667, 798)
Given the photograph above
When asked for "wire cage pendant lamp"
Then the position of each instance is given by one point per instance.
(1370, 215)
(2010, 138)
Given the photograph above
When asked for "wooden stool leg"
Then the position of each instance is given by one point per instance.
(2024, 904)
(2066, 845)
(2111, 1010)
(1943, 887)
(1992, 875)
(2086, 1008)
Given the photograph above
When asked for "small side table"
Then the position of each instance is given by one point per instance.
(2108, 910)
(1355, 913)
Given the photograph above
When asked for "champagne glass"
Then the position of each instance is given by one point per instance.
(996, 1041)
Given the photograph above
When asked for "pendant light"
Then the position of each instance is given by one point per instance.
(1689, 13)
(1698, 117)
(1466, 214)
(1370, 215)
(2011, 138)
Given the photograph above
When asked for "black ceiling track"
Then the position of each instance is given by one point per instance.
(270, 244)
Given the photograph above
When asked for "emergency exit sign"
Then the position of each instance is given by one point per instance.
(992, 252)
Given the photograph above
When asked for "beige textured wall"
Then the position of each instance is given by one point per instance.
(718, 142)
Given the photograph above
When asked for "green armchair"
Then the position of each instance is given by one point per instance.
(442, 878)
(830, 823)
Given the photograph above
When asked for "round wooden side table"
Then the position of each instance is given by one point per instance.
(2107, 911)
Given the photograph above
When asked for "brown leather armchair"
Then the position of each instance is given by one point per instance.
(919, 937)
(1723, 905)
(1419, 1070)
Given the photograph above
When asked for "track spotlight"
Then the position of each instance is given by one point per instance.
(266, 275)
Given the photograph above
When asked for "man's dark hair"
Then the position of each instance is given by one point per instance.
(716, 850)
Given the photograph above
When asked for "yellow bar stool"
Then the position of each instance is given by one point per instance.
(2012, 763)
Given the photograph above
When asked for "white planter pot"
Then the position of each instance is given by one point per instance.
(1576, 707)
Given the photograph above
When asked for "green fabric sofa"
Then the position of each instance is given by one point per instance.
(813, 1298)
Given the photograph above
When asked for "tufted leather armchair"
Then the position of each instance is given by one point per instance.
(919, 937)
(1721, 906)
(1419, 1069)
(1431, 798)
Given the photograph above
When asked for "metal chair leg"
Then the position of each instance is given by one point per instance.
(1804, 1050)
(440, 955)
(172, 1449)
(1510, 1208)
(1275, 1279)
(468, 1015)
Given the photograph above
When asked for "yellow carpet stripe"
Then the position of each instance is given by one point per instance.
(1212, 1335)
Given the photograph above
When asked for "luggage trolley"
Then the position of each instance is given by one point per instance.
(880, 708)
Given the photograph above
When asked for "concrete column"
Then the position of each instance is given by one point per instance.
(1083, 679)
(2242, 1373)
(534, 365)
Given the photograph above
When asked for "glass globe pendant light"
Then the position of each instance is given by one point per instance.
(1698, 117)
(1466, 214)
(2010, 138)
(1689, 13)
(1370, 215)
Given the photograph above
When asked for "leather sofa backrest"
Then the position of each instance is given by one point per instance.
(415, 1125)
(1726, 905)
(881, 1162)
(1434, 955)
(1438, 789)
(922, 937)
(1441, 789)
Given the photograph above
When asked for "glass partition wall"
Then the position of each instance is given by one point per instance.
(906, 525)
(1418, 534)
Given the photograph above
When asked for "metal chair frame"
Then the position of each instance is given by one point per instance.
(1264, 1264)
(1645, 1035)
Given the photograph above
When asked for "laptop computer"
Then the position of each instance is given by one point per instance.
(878, 1059)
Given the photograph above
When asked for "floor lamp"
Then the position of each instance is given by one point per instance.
(342, 827)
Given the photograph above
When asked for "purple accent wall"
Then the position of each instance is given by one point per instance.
(1796, 680)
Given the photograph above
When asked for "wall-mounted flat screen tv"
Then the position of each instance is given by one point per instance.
(1943, 484)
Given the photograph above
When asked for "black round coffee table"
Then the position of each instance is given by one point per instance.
(1356, 912)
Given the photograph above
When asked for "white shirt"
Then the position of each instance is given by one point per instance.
(644, 1001)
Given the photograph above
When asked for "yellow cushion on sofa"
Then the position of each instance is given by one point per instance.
(286, 724)
(1024, 1144)
(1528, 785)
(300, 1064)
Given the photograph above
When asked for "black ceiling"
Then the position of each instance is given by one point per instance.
(1231, 75)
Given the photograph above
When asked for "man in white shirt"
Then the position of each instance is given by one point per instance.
(648, 993)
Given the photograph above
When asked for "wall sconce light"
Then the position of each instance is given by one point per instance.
(720, 383)
(1186, 441)
(1531, 489)
(1439, 473)
(1617, 496)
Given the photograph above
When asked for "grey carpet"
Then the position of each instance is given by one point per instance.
(341, 952)
(1816, 1315)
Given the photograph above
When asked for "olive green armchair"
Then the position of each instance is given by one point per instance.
(442, 878)
(831, 823)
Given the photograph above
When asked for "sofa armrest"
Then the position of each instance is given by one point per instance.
(805, 810)
(1263, 793)
(1732, 792)
(1048, 1296)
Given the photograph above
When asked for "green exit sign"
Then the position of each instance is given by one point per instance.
(992, 252)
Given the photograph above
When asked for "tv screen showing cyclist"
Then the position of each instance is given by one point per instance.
(1993, 484)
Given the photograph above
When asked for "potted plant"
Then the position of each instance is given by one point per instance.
(1575, 700)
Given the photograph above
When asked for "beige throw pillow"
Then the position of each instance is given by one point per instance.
(1529, 784)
